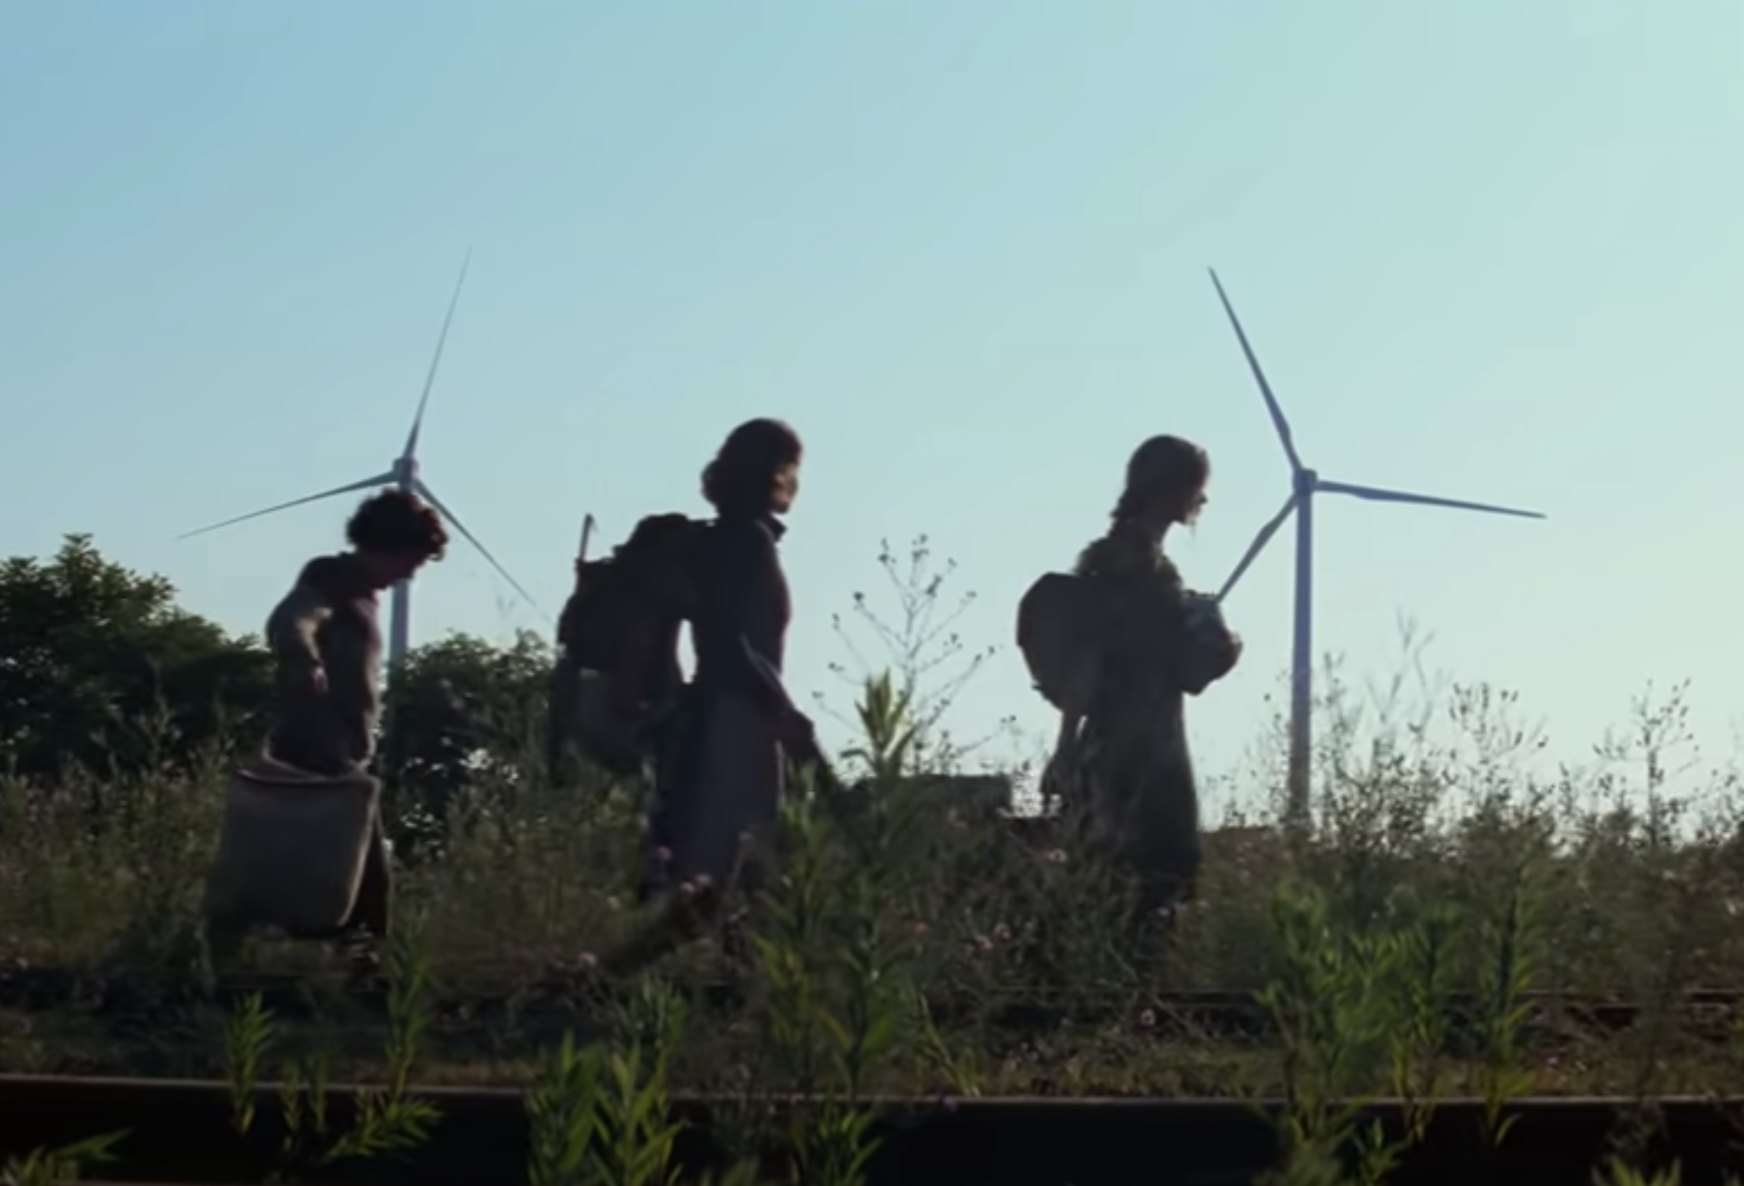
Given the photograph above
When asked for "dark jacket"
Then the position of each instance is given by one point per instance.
(740, 635)
(1140, 603)
(329, 621)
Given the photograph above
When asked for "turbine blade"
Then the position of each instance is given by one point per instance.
(436, 360)
(1259, 543)
(586, 535)
(429, 496)
(1375, 494)
(1278, 421)
(367, 483)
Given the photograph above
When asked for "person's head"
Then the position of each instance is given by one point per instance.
(756, 471)
(1165, 483)
(395, 535)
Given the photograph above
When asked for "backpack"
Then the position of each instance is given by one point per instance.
(618, 641)
(1055, 633)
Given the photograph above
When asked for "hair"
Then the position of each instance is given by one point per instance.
(1162, 465)
(396, 523)
(742, 476)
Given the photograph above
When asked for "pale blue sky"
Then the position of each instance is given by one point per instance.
(1488, 250)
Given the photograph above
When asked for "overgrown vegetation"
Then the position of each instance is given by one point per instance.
(916, 942)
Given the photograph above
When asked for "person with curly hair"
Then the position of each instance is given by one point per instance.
(327, 643)
(1122, 765)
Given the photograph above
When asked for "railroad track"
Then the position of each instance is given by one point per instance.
(1717, 1012)
(179, 1131)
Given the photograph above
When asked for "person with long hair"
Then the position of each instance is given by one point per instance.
(1123, 765)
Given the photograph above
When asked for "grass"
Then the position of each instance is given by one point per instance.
(904, 927)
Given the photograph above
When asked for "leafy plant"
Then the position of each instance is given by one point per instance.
(1509, 952)
(388, 1120)
(248, 1034)
(830, 950)
(602, 1115)
(1424, 974)
(1331, 1011)
(563, 1116)
(54, 1167)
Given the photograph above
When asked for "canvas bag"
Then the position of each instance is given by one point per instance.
(293, 847)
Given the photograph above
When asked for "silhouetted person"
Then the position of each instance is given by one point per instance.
(327, 642)
(1124, 762)
(722, 771)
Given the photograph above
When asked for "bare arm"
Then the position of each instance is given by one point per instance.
(292, 628)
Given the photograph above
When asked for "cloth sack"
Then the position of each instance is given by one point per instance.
(293, 847)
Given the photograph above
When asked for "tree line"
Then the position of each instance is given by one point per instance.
(103, 673)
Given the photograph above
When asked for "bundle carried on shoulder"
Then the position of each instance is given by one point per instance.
(618, 638)
(293, 847)
(1210, 646)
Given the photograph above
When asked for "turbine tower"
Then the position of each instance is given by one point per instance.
(402, 474)
(1305, 484)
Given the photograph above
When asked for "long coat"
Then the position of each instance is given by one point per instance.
(721, 775)
(1124, 765)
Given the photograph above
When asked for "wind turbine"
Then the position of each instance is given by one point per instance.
(1305, 484)
(403, 475)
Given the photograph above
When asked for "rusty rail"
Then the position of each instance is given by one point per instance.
(1706, 1010)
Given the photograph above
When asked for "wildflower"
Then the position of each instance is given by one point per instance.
(1002, 933)
(983, 942)
(663, 855)
(1055, 856)
(1147, 1019)
(587, 961)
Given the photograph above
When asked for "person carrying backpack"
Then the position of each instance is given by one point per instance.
(739, 726)
(723, 758)
(1117, 646)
